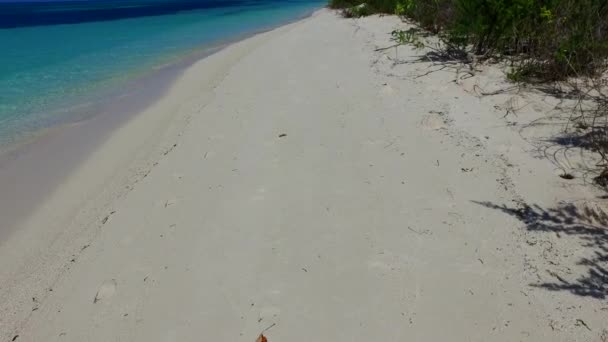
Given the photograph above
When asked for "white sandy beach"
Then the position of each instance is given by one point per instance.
(300, 179)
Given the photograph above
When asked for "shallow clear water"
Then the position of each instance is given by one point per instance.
(55, 57)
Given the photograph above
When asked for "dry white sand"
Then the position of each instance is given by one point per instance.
(300, 178)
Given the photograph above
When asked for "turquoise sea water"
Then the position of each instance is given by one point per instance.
(55, 57)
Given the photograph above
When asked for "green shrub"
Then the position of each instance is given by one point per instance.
(432, 15)
(342, 4)
(544, 39)
(557, 38)
(368, 7)
(358, 11)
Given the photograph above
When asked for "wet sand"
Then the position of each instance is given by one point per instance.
(33, 167)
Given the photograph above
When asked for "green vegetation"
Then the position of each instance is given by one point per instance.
(374, 6)
(559, 44)
(549, 39)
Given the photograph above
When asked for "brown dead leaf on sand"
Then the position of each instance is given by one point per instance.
(262, 338)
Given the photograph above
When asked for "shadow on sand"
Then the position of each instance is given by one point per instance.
(587, 227)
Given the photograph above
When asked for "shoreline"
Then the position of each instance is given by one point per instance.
(33, 167)
(68, 217)
(307, 180)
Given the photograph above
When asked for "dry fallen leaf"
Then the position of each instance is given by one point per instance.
(262, 338)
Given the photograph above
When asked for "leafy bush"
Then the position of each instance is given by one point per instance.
(552, 38)
(545, 39)
(432, 15)
(342, 4)
(362, 7)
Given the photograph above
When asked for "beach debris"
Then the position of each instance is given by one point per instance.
(566, 176)
(390, 144)
(420, 232)
(282, 135)
(170, 202)
(261, 338)
(170, 149)
(105, 219)
(415, 231)
(580, 322)
(15, 338)
(107, 290)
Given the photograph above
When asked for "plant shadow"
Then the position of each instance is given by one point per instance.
(587, 227)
